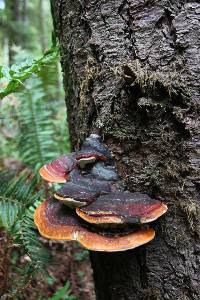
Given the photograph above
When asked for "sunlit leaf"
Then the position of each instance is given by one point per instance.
(17, 74)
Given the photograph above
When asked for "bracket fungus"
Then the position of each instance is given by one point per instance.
(85, 157)
(122, 208)
(56, 221)
(81, 193)
(57, 171)
(91, 206)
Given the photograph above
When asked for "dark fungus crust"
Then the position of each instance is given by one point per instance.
(94, 183)
(103, 172)
(119, 207)
(94, 142)
(86, 190)
(75, 195)
(58, 222)
(97, 187)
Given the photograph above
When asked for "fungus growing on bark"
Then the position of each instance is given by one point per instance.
(57, 171)
(82, 193)
(92, 207)
(93, 142)
(74, 195)
(108, 173)
(123, 208)
(95, 186)
(58, 222)
(84, 157)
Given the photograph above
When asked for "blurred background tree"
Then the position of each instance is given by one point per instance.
(33, 130)
(25, 26)
(26, 34)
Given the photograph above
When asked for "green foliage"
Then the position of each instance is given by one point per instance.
(36, 138)
(50, 280)
(15, 76)
(32, 132)
(39, 127)
(8, 131)
(15, 196)
(63, 293)
(25, 234)
(80, 256)
(80, 274)
(17, 204)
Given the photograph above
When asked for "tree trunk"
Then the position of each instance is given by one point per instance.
(13, 15)
(131, 73)
(42, 26)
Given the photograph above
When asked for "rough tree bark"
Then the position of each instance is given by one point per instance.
(131, 73)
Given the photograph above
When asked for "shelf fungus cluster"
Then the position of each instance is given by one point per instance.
(91, 206)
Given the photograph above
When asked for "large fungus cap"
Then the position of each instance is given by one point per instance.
(119, 207)
(58, 222)
(57, 170)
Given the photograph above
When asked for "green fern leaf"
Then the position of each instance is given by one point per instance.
(17, 205)
(17, 74)
(37, 144)
(8, 213)
(15, 196)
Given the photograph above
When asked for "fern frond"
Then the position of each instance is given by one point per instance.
(17, 74)
(15, 196)
(25, 234)
(17, 204)
(37, 144)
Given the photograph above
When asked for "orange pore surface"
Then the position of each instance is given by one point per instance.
(57, 229)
